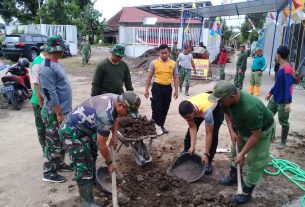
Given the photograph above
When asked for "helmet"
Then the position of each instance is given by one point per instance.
(23, 63)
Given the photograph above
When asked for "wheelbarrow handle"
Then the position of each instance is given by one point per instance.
(113, 177)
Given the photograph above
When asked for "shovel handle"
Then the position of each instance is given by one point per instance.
(239, 187)
(113, 183)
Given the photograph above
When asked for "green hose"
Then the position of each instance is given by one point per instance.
(291, 170)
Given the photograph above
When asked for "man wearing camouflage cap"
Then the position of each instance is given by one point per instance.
(56, 92)
(86, 130)
(251, 125)
(111, 73)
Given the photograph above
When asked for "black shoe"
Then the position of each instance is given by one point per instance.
(231, 179)
(63, 167)
(209, 169)
(165, 131)
(54, 178)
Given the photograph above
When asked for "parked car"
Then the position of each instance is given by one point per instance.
(22, 45)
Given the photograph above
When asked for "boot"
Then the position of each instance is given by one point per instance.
(180, 88)
(245, 197)
(85, 193)
(251, 89)
(231, 179)
(284, 136)
(187, 90)
(257, 90)
(209, 169)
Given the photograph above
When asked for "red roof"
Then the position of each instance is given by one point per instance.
(135, 15)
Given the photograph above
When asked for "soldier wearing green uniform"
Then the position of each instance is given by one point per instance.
(174, 51)
(37, 100)
(241, 67)
(85, 50)
(86, 130)
(251, 125)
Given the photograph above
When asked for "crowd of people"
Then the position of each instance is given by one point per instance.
(84, 130)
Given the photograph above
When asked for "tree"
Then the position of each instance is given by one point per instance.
(227, 32)
(258, 20)
(8, 10)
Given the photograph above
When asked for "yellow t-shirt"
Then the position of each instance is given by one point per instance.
(163, 70)
(202, 102)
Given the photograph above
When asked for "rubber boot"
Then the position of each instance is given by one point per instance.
(231, 179)
(257, 90)
(187, 90)
(251, 89)
(85, 193)
(284, 136)
(180, 88)
(245, 197)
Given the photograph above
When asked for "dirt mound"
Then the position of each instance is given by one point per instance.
(134, 128)
(154, 187)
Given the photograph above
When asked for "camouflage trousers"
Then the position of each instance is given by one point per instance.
(239, 79)
(54, 151)
(85, 57)
(185, 75)
(82, 151)
(41, 128)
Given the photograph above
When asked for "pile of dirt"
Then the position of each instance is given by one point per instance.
(154, 187)
(136, 127)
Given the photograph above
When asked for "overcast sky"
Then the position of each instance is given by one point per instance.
(111, 7)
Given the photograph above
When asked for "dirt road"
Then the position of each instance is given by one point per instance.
(21, 157)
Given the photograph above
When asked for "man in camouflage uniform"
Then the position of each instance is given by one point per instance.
(85, 50)
(241, 67)
(87, 128)
(174, 51)
(56, 91)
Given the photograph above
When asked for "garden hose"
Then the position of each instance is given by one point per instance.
(290, 170)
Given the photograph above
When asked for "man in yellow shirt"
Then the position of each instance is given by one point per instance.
(164, 69)
(195, 111)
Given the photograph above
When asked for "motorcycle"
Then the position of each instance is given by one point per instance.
(17, 85)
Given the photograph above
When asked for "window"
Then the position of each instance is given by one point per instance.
(37, 39)
(28, 39)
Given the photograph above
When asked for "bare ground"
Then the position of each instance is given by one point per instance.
(21, 156)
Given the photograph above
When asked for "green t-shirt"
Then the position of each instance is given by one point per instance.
(242, 61)
(34, 76)
(249, 114)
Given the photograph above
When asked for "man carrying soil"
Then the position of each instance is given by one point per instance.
(164, 69)
(281, 93)
(195, 111)
(85, 51)
(56, 91)
(251, 125)
(241, 67)
(86, 130)
(185, 63)
(111, 73)
(37, 100)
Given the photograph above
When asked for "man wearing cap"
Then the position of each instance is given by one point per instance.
(241, 67)
(258, 66)
(185, 63)
(251, 125)
(195, 111)
(56, 92)
(86, 130)
(164, 69)
(111, 73)
(174, 51)
(37, 100)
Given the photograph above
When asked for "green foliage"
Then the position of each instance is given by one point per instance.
(16, 31)
(258, 20)
(2, 37)
(227, 32)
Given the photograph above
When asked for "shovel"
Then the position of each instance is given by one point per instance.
(239, 187)
(113, 177)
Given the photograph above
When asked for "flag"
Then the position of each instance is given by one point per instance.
(298, 4)
(253, 27)
(194, 5)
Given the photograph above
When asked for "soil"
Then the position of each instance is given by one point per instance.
(21, 155)
(136, 127)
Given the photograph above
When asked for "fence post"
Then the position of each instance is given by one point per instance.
(159, 36)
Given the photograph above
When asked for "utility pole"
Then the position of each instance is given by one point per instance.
(40, 21)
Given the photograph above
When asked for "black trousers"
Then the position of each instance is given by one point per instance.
(160, 102)
(218, 116)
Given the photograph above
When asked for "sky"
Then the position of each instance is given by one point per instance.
(110, 7)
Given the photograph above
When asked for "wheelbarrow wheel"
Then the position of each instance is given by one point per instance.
(141, 154)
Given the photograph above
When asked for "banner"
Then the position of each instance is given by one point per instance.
(202, 67)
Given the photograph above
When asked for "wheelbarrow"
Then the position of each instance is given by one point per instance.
(141, 152)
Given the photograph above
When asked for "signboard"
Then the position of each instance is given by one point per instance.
(202, 67)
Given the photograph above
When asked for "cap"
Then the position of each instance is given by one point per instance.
(55, 43)
(132, 101)
(258, 48)
(222, 89)
(119, 50)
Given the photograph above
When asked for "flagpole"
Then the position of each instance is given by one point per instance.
(288, 26)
